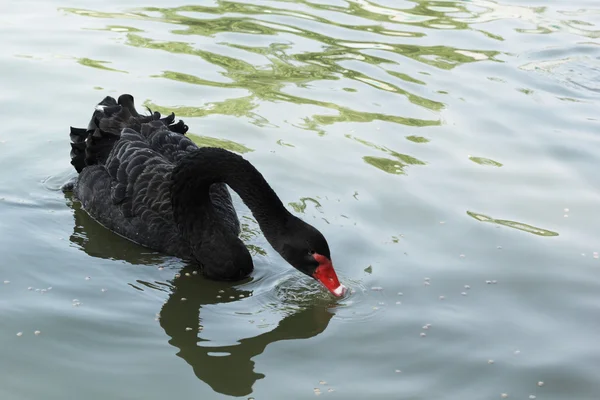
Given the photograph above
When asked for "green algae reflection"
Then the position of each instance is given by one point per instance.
(300, 206)
(250, 231)
(285, 67)
(207, 141)
(98, 64)
(395, 165)
(485, 161)
(235, 107)
(512, 224)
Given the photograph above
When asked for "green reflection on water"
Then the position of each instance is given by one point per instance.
(285, 67)
(394, 165)
(282, 143)
(116, 28)
(88, 62)
(513, 224)
(485, 161)
(250, 231)
(236, 107)
(418, 139)
(207, 141)
(406, 77)
(300, 206)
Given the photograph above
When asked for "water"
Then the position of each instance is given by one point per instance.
(447, 150)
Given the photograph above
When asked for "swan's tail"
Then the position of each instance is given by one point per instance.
(92, 145)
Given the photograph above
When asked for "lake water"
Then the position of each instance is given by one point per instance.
(448, 150)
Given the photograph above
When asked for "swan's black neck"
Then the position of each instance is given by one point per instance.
(193, 176)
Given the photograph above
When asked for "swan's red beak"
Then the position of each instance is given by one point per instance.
(327, 276)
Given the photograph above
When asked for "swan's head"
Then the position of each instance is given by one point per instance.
(305, 248)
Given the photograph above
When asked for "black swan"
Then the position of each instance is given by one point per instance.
(142, 178)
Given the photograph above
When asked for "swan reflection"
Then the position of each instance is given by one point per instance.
(227, 369)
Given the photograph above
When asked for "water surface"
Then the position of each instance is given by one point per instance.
(448, 150)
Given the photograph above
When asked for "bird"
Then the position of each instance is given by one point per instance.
(141, 177)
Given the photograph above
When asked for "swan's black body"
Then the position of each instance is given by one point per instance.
(141, 177)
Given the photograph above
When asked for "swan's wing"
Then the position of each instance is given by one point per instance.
(174, 147)
(171, 145)
(131, 196)
(93, 145)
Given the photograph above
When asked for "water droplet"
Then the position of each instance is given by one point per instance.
(566, 215)
(566, 210)
(504, 395)
(464, 293)
(194, 272)
(540, 383)
(531, 396)
(177, 275)
(494, 282)
(442, 222)
(517, 351)
(188, 274)
(218, 297)
(330, 390)
(490, 361)
(183, 299)
(161, 268)
(322, 383)
(37, 333)
(188, 329)
(221, 291)
(400, 294)
(49, 288)
(103, 290)
(423, 334)
(6, 282)
(596, 254)
(398, 302)
(87, 278)
(499, 247)
(242, 296)
(377, 288)
(29, 288)
(427, 279)
(488, 282)
(467, 287)
(398, 371)
(425, 327)
(442, 297)
(462, 256)
(426, 283)
(19, 334)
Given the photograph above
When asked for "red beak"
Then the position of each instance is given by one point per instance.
(327, 276)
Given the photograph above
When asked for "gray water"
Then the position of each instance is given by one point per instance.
(448, 150)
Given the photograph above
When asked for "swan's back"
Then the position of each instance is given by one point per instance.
(125, 162)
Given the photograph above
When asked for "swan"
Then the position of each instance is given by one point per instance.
(142, 178)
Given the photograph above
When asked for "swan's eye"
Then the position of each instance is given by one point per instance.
(311, 252)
